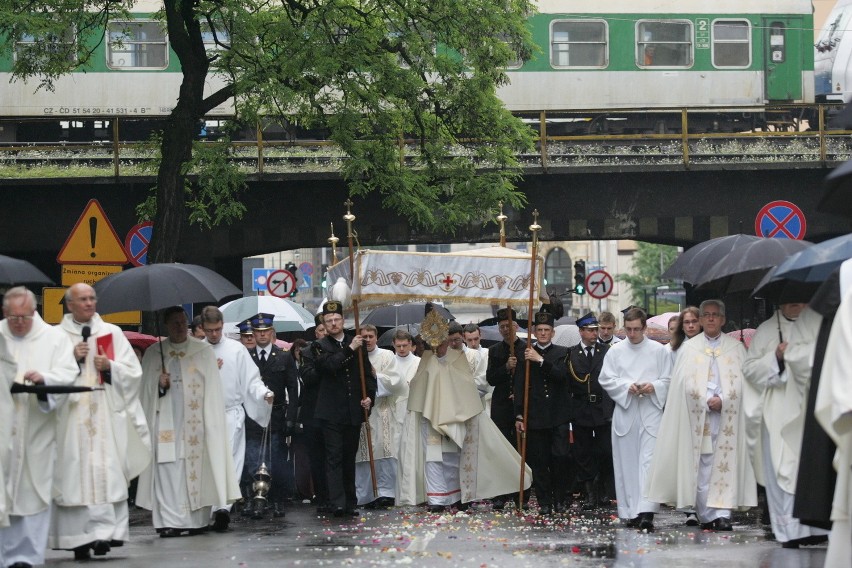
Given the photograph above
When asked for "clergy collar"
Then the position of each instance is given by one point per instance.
(82, 323)
(788, 318)
(708, 338)
(543, 346)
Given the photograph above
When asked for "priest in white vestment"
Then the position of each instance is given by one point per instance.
(635, 375)
(44, 355)
(701, 458)
(192, 470)
(103, 438)
(777, 371)
(834, 413)
(244, 393)
(8, 370)
(385, 427)
(473, 341)
(451, 452)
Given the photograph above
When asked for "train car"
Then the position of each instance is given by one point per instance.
(833, 57)
(610, 56)
(672, 53)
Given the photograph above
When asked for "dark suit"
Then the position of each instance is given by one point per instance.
(339, 410)
(591, 415)
(312, 428)
(548, 421)
(280, 375)
(502, 403)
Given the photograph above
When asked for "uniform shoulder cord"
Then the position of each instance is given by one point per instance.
(584, 380)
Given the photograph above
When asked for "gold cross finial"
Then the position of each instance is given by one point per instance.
(332, 240)
(501, 218)
(535, 227)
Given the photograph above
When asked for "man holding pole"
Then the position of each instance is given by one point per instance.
(340, 406)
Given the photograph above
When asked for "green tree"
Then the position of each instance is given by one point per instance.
(649, 263)
(372, 72)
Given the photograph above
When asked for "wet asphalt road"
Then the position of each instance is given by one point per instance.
(482, 538)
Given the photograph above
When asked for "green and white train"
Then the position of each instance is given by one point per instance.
(728, 58)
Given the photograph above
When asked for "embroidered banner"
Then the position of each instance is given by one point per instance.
(488, 275)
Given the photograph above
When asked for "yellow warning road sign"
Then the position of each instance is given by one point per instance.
(92, 240)
(53, 308)
(87, 273)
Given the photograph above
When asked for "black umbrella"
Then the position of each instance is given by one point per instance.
(783, 290)
(15, 271)
(695, 262)
(743, 267)
(402, 314)
(386, 338)
(157, 286)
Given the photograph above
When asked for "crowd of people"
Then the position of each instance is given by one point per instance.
(205, 422)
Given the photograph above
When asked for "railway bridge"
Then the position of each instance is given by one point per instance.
(672, 203)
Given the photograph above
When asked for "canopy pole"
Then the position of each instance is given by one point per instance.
(534, 229)
(349, 218)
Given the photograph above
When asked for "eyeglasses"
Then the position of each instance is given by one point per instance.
(333, 320)
(19, 319)
(711, 315)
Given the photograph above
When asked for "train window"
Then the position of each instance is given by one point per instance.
(731, 43)
(38, 47)
(578, 43)
(139, 44)
(214, 38)
(664, 43)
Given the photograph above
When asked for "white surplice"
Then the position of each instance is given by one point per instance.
(192, 470)
(243, 392)
(8, 369)
(701, 450)
(30, 468)
(385, 428)
(775, 403)
(636, 420)
(103, 443)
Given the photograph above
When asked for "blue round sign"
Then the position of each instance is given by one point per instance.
(136, 243)
(780, 220)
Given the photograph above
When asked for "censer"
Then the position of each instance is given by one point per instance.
(262, 477)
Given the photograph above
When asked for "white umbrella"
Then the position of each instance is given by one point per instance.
(287, 315)
(662, 321)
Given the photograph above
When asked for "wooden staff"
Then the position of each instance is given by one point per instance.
(349, 218)
(534, 228)
(501, 218)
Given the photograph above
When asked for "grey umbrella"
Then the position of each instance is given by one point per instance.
(783, 290)
(696, 261)
(393, 316)
(816, 263)
(15, 271)
(157, 286)
(743, 267)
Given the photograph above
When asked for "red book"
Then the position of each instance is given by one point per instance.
(104, 346)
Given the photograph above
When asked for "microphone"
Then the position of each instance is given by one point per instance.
(86, 331)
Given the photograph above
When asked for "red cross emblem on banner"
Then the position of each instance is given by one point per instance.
(447, 281)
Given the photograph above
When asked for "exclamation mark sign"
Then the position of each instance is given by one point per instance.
(93, 233)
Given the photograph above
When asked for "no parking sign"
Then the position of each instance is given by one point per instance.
(780, 220)
(137, 241)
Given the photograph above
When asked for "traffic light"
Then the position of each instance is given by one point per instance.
(580, 277)
(293, 269)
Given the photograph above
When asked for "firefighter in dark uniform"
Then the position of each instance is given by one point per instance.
(312, 428)
(278, 371)
(340, 406)
(591, 411)
(502, 362)
(548, 414)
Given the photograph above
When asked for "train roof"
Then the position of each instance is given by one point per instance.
(675, 7)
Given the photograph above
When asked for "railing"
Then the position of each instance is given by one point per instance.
(671, 138)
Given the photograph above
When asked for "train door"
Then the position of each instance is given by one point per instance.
(783, 56)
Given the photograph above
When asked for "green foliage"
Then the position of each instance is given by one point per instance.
(649, 262)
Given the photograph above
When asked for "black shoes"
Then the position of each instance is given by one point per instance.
(812, 540)
(99, 547)
(435, 508)
(545, 510)
(722, 524)
(691, 520)
(646, 522)
(278, 510)
(221, 520)
(497, 504)
(169, 532)
(341, 512)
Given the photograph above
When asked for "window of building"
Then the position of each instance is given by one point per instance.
(433, 248)
(139, 44)
(575, 43)
(558, 273)
(664, 43)
(731, 43)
